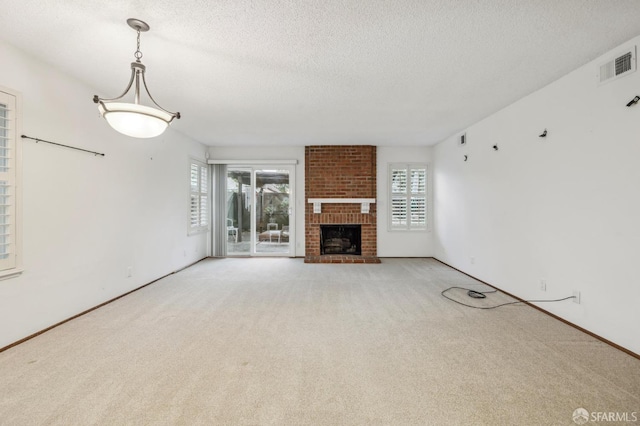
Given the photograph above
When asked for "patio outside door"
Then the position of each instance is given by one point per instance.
(259, 211)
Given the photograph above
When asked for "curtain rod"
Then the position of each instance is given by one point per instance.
(59, 144)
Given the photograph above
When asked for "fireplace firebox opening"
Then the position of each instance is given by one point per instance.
(340, 239)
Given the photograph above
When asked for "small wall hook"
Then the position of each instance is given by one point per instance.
(633, 101)
(466, 158)
(495, 147)
(544, 134)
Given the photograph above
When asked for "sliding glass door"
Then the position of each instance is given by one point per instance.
(259, 211)
(272, 211)
(238, 211)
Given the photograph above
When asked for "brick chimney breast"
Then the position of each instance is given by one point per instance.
(334, 171)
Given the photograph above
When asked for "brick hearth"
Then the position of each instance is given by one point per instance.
(340, 172)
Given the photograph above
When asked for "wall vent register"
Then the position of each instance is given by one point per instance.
(623, 64)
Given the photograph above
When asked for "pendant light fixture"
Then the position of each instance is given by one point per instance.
(134, 119)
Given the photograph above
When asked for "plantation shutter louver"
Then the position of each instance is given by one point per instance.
(203, 197)
(7, 181)
(419, 198)
(408, 194)
(398, 198)
(199, 197)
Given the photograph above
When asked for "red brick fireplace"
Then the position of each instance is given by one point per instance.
(337, 173)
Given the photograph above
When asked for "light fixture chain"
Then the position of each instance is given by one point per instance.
(138, 53)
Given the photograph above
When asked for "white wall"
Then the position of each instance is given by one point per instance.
(274, 153)
(563, 208)
(402, 243)
(86, 218)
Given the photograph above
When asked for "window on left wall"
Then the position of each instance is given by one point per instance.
(199, 197)
(9, 173)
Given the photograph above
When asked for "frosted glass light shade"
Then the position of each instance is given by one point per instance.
(138, 121)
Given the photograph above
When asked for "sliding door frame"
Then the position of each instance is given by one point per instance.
(254, 165)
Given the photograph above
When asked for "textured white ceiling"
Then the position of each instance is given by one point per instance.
(301, 72)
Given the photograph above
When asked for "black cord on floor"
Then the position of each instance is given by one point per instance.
(481, 295)
(477, 294)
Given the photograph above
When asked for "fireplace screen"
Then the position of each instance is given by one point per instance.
(340, 239)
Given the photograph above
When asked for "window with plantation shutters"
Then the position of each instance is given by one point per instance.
(199, 197)
(408, 197)
(8, 165)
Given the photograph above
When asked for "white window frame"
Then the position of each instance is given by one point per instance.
(197, 216)
(11, 265)
(412, 222)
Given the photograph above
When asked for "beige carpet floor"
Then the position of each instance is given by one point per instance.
(275, 341)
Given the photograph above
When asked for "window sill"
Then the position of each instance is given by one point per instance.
(10, 273)
(197, 231)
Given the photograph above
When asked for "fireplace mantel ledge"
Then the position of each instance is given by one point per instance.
(364, 203)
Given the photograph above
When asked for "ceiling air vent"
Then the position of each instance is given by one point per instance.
(621, 65)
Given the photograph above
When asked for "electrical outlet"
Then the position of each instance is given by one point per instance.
(129, 271)
(576, 297)
(543, 285)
